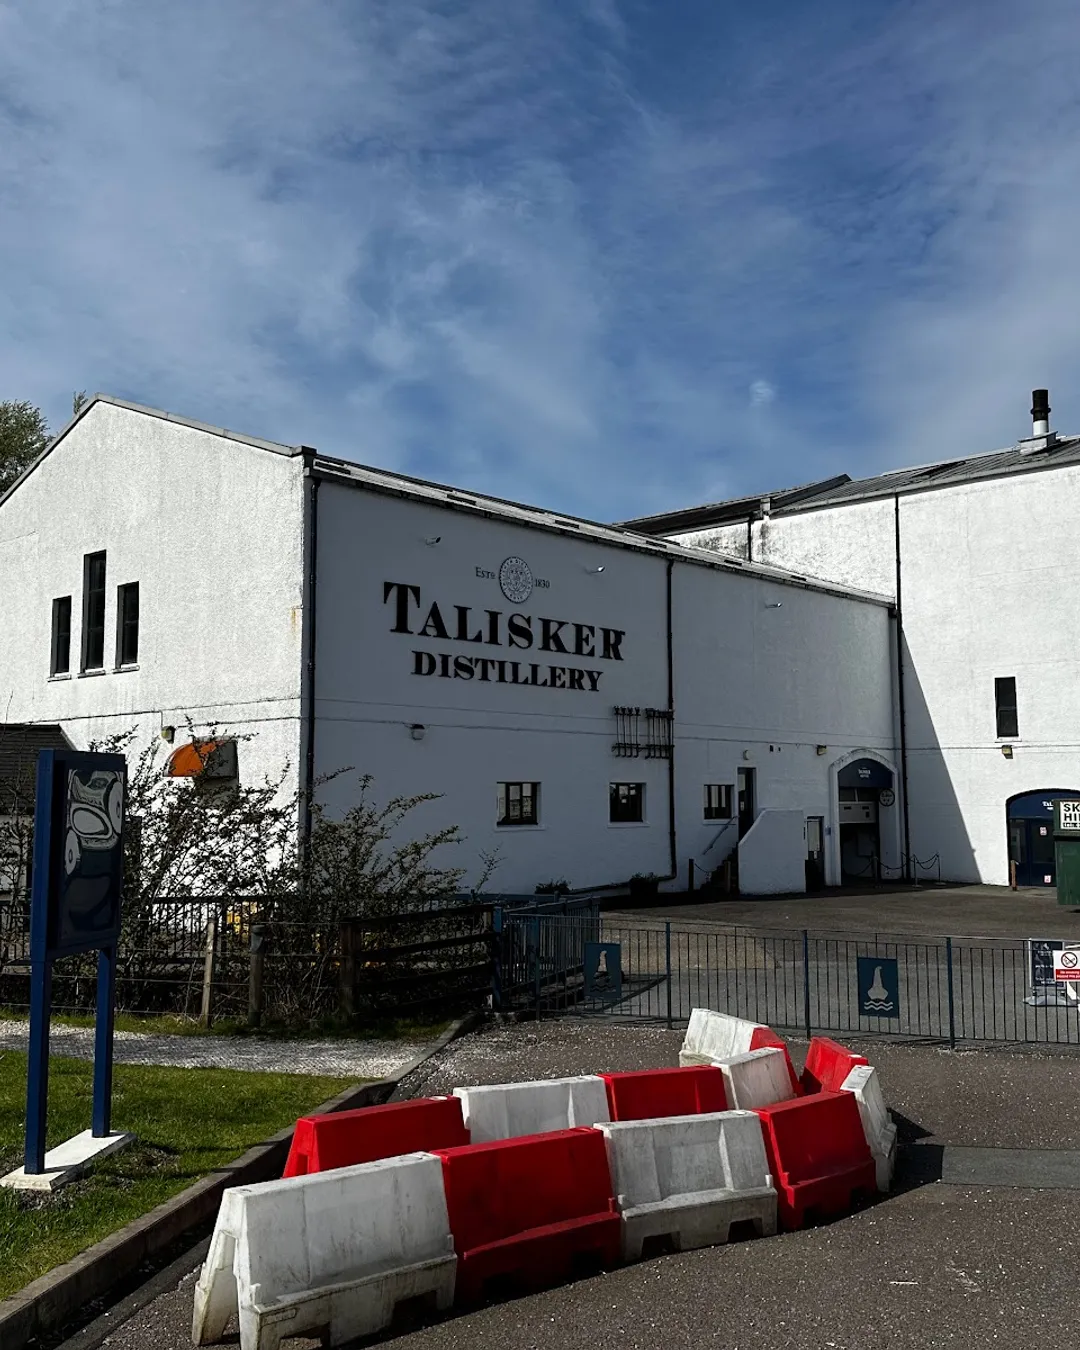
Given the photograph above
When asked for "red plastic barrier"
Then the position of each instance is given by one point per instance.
(651, 1093)
(818, 1154)
(763, 1037)
(828, 1063)
(530, 1210)
(344, 1138)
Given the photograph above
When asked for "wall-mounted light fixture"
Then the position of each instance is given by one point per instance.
(595, 571)
(821, 749)
(168, 734)
(416, 731)
(1007, 751)
(433, 539)
(774, 604)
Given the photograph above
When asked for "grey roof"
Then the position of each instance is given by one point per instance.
(736, 508)
(498, 508)
(844, 490)
(274, 446)
(417, 489)
(19, 746)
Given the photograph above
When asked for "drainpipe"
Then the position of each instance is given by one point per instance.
(902, 703)
(672, 841)
(673, 844)
(307, 675)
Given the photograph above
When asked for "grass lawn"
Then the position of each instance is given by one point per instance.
(164, 1024)
(187, 1122)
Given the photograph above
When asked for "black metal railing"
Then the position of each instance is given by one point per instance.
(946, 989)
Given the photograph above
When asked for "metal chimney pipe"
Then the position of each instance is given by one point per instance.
(1040, 412)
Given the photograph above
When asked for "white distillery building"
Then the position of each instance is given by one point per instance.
(977, 554)
(591, 702)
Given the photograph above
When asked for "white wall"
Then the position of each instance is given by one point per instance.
(753, 686)
(480, 733)
(848, 545)
(212, 530)
(772, 855)
(762, 687)
(986, 591)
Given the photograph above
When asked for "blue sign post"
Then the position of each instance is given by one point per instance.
(75, 892)
(879, 986)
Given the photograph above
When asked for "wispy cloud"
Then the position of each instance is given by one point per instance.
(564, 253)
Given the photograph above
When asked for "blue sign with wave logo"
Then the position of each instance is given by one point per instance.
(879, 986)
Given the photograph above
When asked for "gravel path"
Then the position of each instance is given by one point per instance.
(338, 1058)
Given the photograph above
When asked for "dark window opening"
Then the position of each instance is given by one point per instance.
(519, 803)
(717, 801)
(60, 658)
(127, 624)
(747, 804)
(1005, 706)
(627, 803)
(93, 625)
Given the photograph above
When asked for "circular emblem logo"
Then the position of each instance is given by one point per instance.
(886, 796)
(515, 580)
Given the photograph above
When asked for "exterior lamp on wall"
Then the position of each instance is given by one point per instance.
(416, 731)
(595, 571)
(433, 539)
(1007, 751)
(168, 734)
(821, 749)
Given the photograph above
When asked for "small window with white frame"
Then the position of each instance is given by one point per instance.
(717, 801)
(519, 804)
(627, 803)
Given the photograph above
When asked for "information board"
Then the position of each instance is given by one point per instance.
(1041, 953)
(1069, 815)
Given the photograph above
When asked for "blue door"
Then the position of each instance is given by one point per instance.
(1031, 835)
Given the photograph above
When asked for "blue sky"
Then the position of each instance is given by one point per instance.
(609, 257)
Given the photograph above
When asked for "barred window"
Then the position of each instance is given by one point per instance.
(717, 801)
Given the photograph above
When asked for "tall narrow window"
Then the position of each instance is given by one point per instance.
(93, 612)
(1005, 705)
(127, 624)
(60, 657)
(519, 803)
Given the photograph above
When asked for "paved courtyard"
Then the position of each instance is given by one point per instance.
(336, 1058)
(934, 1264)
(925, 910)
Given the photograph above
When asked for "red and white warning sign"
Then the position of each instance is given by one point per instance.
(1067, 964)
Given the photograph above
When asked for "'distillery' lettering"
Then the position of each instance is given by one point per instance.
(489, 670)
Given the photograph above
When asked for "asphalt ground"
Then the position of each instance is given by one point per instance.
(932, 1264)
(924, 910)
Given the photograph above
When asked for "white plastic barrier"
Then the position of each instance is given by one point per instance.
(758, 1078)
(711, 1036)
(333, 1251)
(879, 1129)
(689, 1178)
(509, 1110)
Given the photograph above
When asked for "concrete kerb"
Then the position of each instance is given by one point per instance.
(50, 1302)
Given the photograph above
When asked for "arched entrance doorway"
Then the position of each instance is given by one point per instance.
(1030, 824)
(863, 787)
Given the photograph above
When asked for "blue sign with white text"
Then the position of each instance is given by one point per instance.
(879, 986)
